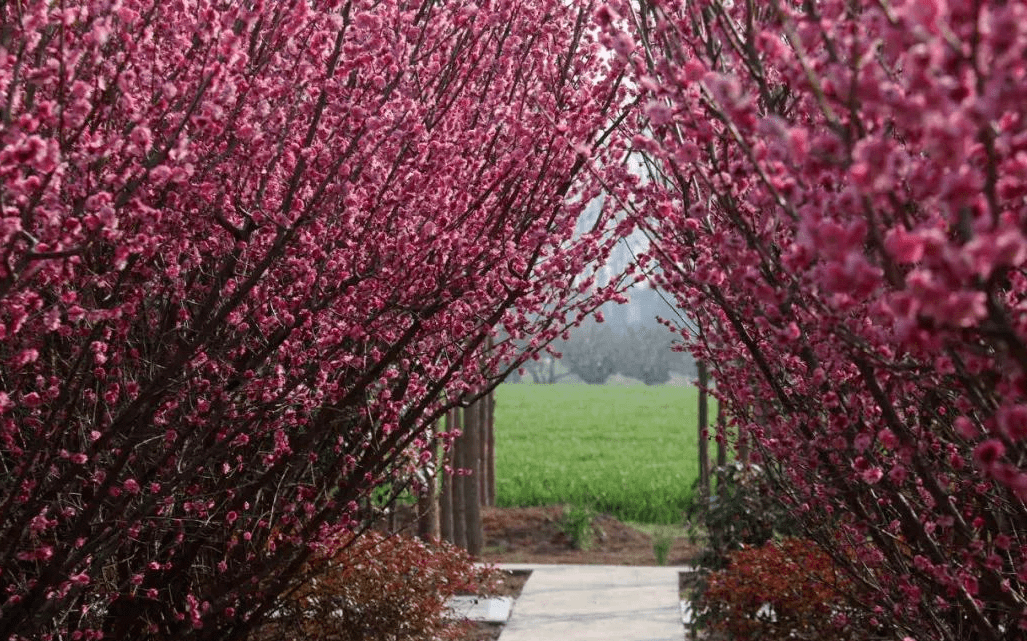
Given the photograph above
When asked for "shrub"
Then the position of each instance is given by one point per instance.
(784, 590)
(379, 588)
(662, 542)
(742, 513)
(577, 523)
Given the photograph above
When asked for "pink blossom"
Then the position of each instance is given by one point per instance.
(1012, 421)
(872, 475)
(41, 553)
(989, 452)
(605, 15)
(887, 438)
(903, 246)
(25, 357)
(986, 252)
(862, 442)
(40, 523)
(898, 474)
(965, 427)
(623, 44)
(970, 584)
(924, 13)
(659, 113)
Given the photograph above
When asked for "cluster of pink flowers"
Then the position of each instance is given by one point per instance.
(249, 252)
(837, 195)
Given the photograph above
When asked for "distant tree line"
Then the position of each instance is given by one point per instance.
(596, 351)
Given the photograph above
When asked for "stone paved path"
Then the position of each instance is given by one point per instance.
(596, 603)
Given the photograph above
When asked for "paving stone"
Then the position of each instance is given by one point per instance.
(686, 613)
(489, 610)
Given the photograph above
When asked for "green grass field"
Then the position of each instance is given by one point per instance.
(629, 451)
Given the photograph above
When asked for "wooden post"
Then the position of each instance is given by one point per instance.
(704, 432)
(490, 451)
(482, 453)
(460, 483)
(472, 490)
(488, 459)
(721, 451)
(743, 447)
(446, 496)
(428, 525)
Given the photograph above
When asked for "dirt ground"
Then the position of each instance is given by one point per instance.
(533, 535)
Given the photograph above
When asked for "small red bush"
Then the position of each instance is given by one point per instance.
(379, 588)
(783, 590)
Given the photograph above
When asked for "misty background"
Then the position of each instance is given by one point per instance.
(631, 346)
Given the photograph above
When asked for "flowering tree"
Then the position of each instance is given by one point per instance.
(249, 252)
(836, 193)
